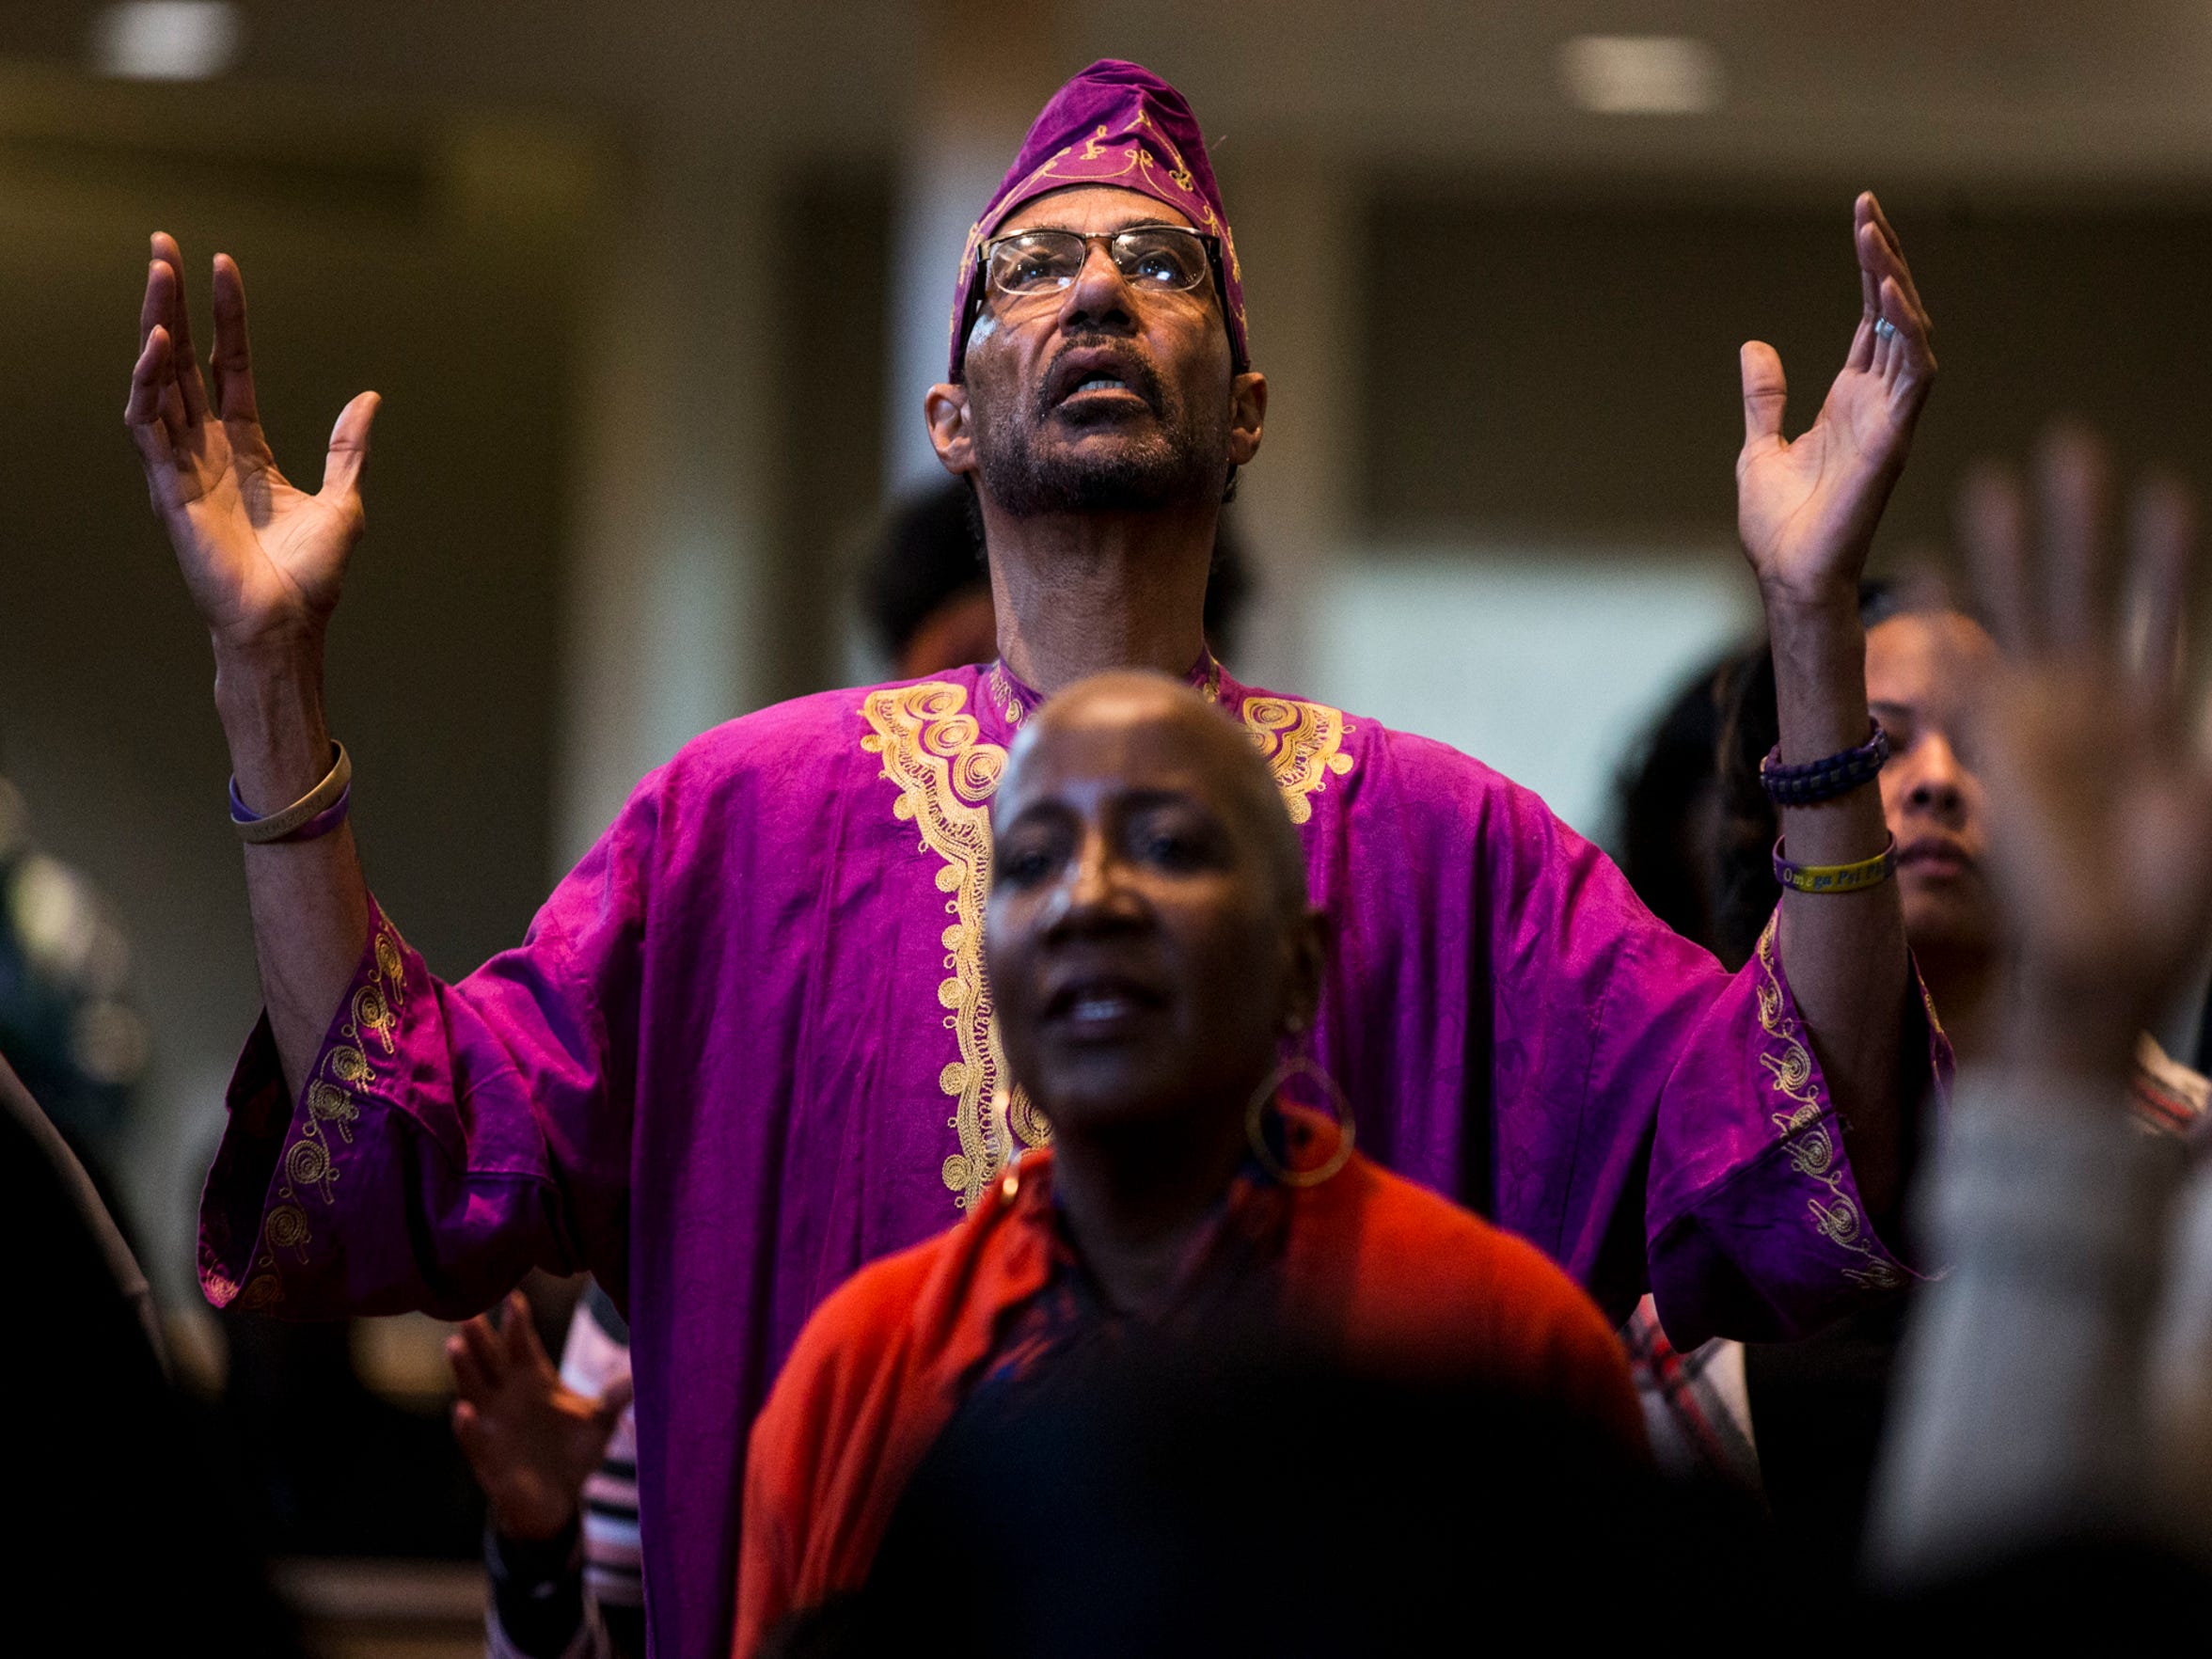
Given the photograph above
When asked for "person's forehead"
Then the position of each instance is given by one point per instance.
(1090, 207)
(1911, 656)
(1119, 747)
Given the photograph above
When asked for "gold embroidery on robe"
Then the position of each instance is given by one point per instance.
(1303, 744)
(309, 1165)
(933, 753)
(1808, 1142)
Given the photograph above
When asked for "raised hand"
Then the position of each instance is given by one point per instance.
(2101, 856)
(1807, 509)
(531, 1440)
(262, 559)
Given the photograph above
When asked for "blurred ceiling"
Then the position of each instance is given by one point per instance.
(2019, 94)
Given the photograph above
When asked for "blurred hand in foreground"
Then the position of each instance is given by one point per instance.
(531, 1440)
(262, 559)
(2099, 789)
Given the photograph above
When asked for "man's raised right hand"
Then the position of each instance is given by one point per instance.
(263, 559)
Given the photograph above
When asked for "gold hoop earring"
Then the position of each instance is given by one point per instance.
(1256, 1124)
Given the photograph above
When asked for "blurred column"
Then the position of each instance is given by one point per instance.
(673, 509)
(1294, 216)
(987, 70)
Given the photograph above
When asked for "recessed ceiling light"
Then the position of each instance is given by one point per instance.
(1642, 75)
(167, 40)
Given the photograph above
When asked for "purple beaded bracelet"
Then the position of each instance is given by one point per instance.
(1824, 780)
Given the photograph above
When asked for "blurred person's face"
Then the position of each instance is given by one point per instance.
(964, 629)
(1932, 803)
(1146, 947)
(1097, 397)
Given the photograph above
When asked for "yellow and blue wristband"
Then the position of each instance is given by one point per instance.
(1834, 878)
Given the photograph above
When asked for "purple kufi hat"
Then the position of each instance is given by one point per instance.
(1120, 124)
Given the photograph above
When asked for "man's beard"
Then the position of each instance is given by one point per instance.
(1180, 460)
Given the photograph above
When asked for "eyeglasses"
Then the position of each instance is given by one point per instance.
(1152, 258)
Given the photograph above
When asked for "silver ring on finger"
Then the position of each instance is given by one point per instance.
(1884, 329)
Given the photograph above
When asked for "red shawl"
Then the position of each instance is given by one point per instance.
(1401, 1279)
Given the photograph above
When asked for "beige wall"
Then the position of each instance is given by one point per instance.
(1568, 366)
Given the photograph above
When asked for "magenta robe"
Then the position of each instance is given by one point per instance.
(747, 1047)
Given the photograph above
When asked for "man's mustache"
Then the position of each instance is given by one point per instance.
(1129, 368)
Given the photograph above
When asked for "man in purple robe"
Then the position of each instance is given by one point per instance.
(748, 1045)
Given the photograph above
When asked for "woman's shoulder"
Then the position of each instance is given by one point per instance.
(867, 1315)
(924, 1301)
(1435, 1291)
(1435, 1259)
(1405, 1209)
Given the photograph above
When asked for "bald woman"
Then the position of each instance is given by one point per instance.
(1155, 957)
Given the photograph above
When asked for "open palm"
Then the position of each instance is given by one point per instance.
(2101, 859)
(531, 1439)
(262, 559)
(1807, 509)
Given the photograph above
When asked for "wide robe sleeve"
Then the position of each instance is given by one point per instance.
(1640, 1081)
(447, 1138)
